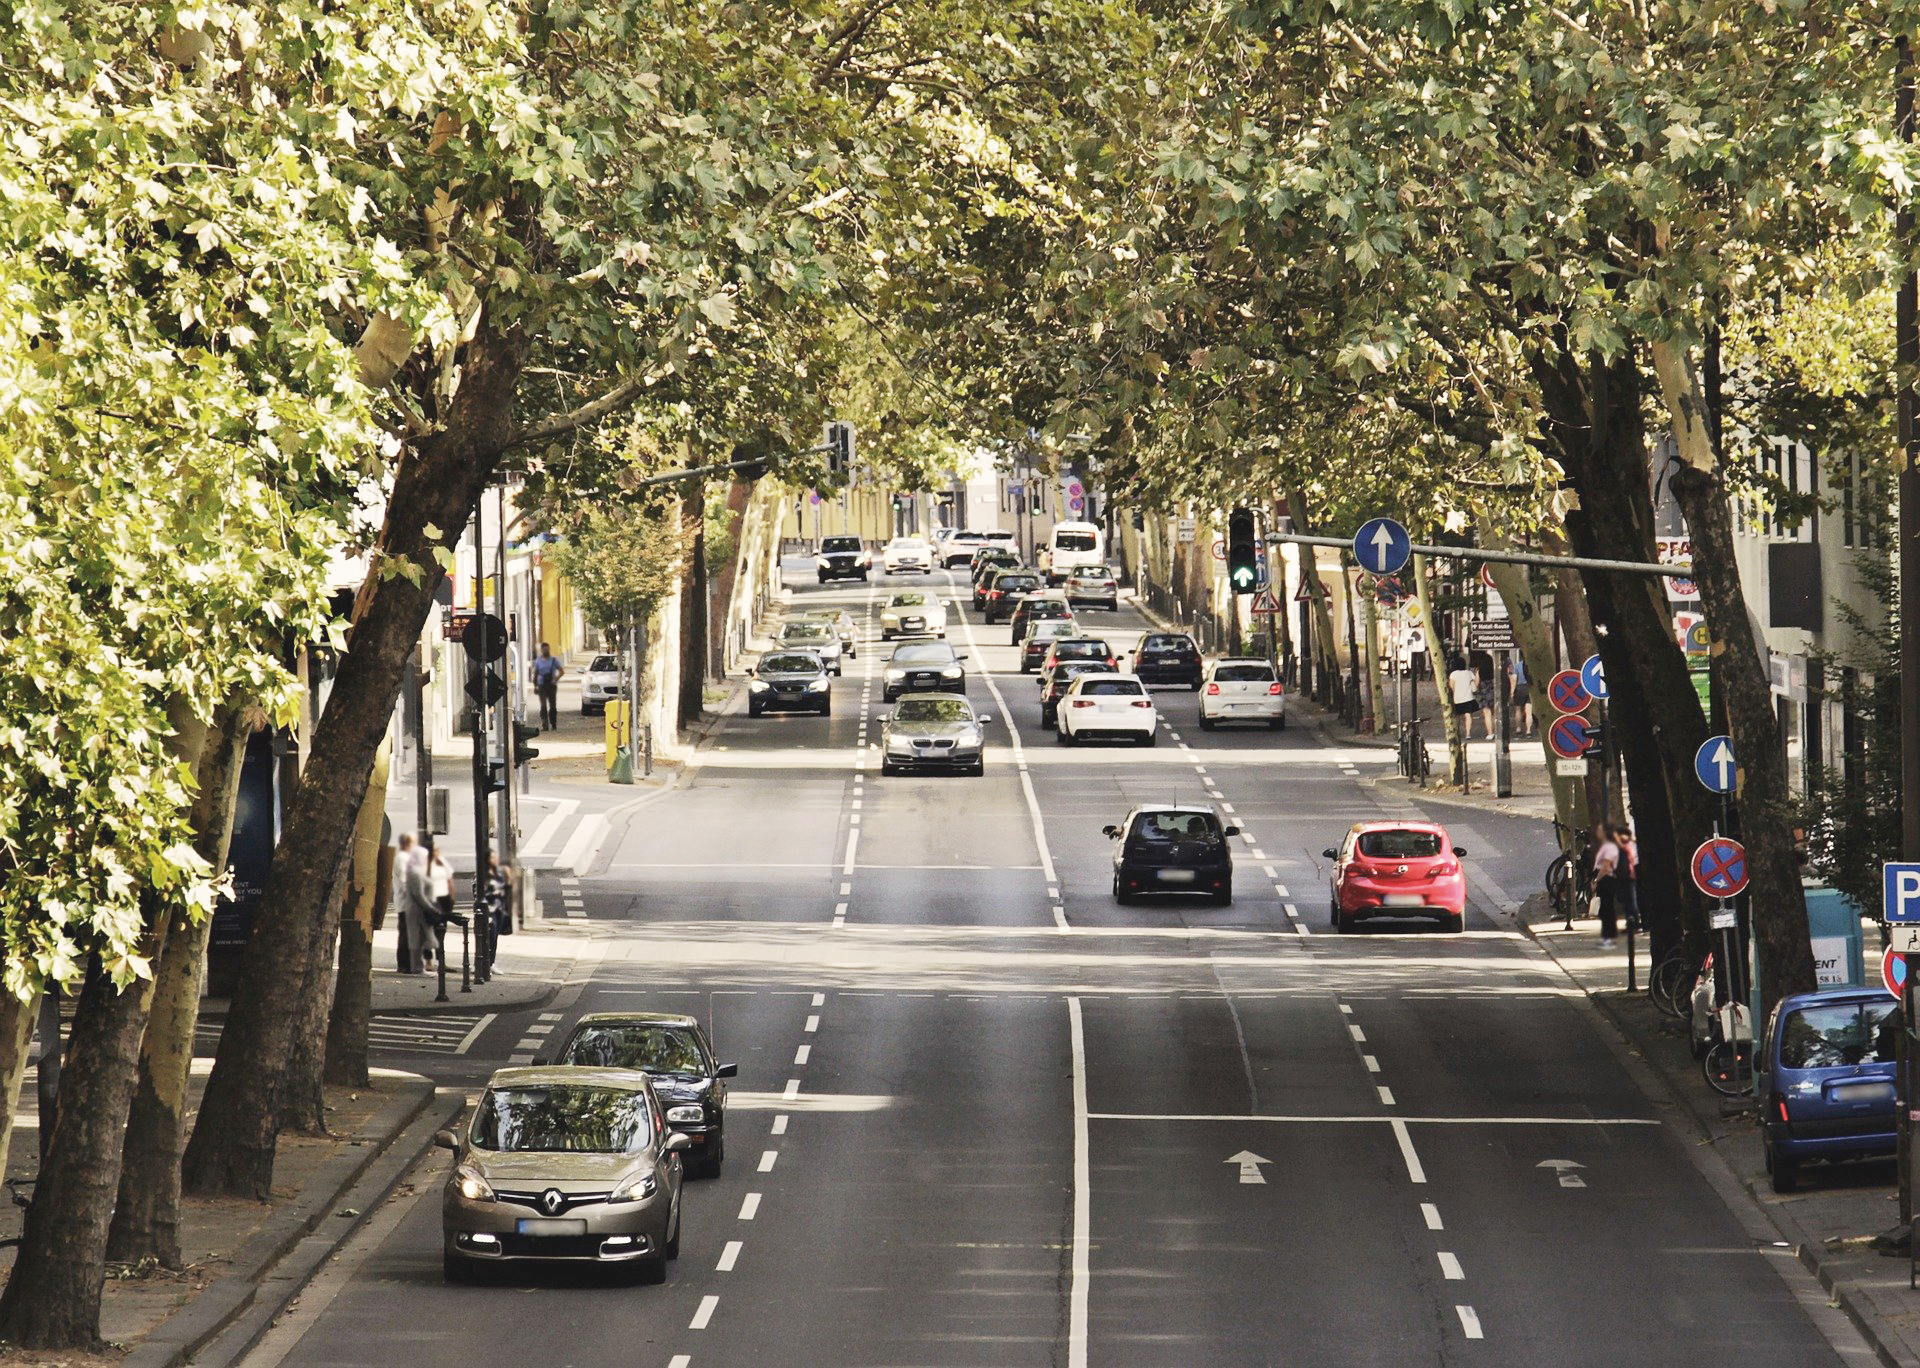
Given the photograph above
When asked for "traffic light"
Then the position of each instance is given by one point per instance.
(898, 503)
(839, 446)
(1242, 552)
(523, 754)
(485, 638)
(496, 777)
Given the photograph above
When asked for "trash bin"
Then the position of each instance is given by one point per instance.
(1839, 952)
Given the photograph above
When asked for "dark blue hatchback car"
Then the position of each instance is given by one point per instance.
(1826, 1079)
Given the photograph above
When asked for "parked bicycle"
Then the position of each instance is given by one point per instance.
(1672, 981)
(1569, 880)
(1415, 763)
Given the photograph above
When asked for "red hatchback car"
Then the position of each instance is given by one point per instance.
(1398, 869)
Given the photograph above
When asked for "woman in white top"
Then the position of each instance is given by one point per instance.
(440, 888)
(1463, 690)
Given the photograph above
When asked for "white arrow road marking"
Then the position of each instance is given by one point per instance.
(1563, 1170)
(1249, 1163)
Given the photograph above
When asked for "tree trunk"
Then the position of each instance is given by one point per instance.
(146, 1217)
(52, 1300)
(439, 479)
(353, 994)
(303, 1096)
(17, 1017)
(693, 616)
(1595, 427)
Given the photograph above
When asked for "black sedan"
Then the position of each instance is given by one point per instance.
(790, 679)
(672, 1048)
(1168, 658)
(1179, 848)
(930, 666)
(934, 731)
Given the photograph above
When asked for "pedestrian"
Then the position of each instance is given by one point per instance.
(499, 901)
(417, 910)
(405, 947)
(1626, 876)
(440, 890)
(1463, 688)
(1483, 692)
(546, 685)
(1522, 693)
(1606, 866)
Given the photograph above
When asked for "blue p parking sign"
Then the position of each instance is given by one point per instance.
(1900, 892)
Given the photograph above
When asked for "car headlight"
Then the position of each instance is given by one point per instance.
(970, 737)
(635, 1189)
(896, 674)
(899, 743)
(818, 686)
(694, 1113)
(473, 1186)
(823, 562)
(756, 686)
(951, 672)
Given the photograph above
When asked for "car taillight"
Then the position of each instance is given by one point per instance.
(993, 593)
(1083, 702)
(1141, 703)
(1274, 688)
(1781, 1103)
(1444, 870)
(1213, 688)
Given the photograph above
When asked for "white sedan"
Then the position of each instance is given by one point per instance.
(905, 555)
(913, 613)
(1242, 691)
(1116, 705)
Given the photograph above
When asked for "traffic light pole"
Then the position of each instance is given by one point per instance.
(482, 845)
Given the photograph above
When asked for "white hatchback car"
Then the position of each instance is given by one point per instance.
(913, 612)
(907, 555)
(598, 684)
(1242, 691)
(1116, 705)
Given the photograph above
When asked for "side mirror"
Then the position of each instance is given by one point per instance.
(1112, 832)
(1231, 831)
(677, 1144)
(959, 657)
(1459, 850)
(727, 1071)
(1330, 854)
(985, 719)
(446, 1140)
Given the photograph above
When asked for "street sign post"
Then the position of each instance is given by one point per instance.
(1382, 546)
(1569, 738)
(1714, 765)
(1900, 893)
(1720, 867)
(1594, 675)
(1264, 605)
(1568, 693)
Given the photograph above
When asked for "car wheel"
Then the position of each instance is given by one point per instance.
(1026, 666)
(979, 768)
(826, 709)
(1063, 736)
(1784, 1172)
(1457, 922)
(753, 710)
(1195, 686)
(1342, 923)
(1207, 723)
(1152, 738)
(863, 577)
(1120, 894)
(651, 1272)
(457, 1270)
(1279, 723)
(710, 1166)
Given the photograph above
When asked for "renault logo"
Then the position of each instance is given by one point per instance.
(551, 1201)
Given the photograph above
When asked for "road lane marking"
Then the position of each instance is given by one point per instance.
(853, 844)
(1432, 1214)
(1386, 1095)
(749, 1206)
(549, 828)
(1373, 1065)
(1345, 1010)
(813, 1024)
(1359, 1036)
(819, 999)
(803, 1054)
(701, 1318)
(466, 1042)
(729, 1256)
(578, 853)
(767, 1160)
(1082, 1190)
(846, 888)
(1281, 889)
(780, 1124)
(680, 1361)
(840, 909)
(1400, 1133)
(1469, 1322)
(793, 1090)
(1060, 917)
(1395, 1121)
(1019, 759)
(1450, 1268)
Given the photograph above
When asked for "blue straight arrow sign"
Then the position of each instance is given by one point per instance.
(1382, 546)
(1714, 765)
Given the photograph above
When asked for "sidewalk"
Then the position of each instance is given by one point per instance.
(528, 970)
(246, 1260)
(1838, 1209)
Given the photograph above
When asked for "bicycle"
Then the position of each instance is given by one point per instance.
(1728, 1065)
(1671, 983)
(1415, 762)
(1569, 879)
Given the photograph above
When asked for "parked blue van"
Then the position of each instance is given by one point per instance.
(1827, 1079)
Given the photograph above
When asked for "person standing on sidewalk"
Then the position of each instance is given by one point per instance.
(1463, 693)
(1606, 868)
(1522, 694)
(416, 908)
(546, 686)
(1626, 876)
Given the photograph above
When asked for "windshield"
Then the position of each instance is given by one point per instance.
(1073, 541)
(1050, 631)
(907, 600)
(646, 1046)
(603, 664)
(794, 663)
(1244, 674)
(923, 655)
(932, 710)
(1177, 826)
(840, 544)
(1016, 581)
(805, 631)
(1172, 645)
(1399, 845)
(1044, 608)
(568, 1118)
(1836, 1036)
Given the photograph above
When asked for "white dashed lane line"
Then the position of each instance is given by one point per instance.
(729, 1257)
(768, 1158)
(704, 1316)
(1450, 1267)
(749, 1206)
(1431, 1213)
(1469, 1322)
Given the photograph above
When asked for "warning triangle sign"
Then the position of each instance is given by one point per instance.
(1304, 594)
(1263, 604)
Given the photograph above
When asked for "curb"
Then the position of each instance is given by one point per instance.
(528, 1004)
(230, 1314)
(1854, 1303)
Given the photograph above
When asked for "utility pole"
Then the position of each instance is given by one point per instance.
(1907, 359)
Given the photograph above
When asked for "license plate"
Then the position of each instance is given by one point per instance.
(1176, 876)
(1863, 1092)
(541, 1225)
(1404, 900)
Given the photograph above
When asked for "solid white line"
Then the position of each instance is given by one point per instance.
(708, 1305)
(813, 1024)
(1414, 1171)
(1082, 1194)
(1395, 1121)
(1469, 1322)
(729, 1257)
(767, 1160)
(1432, 1214)
(780, 1124)
(1019, 758)
(1386, 1096)
(793, 1090)
(584, 845)
(549, 828)
(1450, 1268)
(749, 1206)
(801, 1055)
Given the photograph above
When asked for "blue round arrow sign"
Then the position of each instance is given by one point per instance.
(1594, 675)
(1382, 546)
(1714, 765)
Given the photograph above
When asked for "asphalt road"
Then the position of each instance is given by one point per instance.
(985, 1116)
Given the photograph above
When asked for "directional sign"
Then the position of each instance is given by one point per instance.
(1568, 693)
(1382, 546)
(1720, 867)
(1893, 972)
(1569, 737)
(1594, 675)
(1900, 892)
(1249, 1163)
(1564, 1170)
(1715, 767)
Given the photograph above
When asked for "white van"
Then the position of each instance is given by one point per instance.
(1072, 545)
